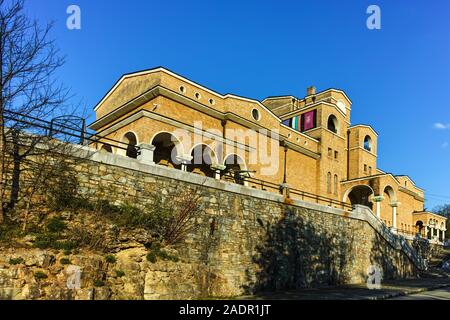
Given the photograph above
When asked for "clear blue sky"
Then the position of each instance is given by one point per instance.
(398, 77)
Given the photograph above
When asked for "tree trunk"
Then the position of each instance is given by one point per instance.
(2, 149)
(15, 186)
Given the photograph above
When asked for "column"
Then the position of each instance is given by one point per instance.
(394, 206)
(377, 200)
(145, 154)
(218, 168)
(185, 159)
(285, 189)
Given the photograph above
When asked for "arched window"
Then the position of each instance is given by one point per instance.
(130, 141)
(167, 148)
(335, 184)
(234, 165)
(202, 159)
(329, 182)
(368, 143)
(333, 124)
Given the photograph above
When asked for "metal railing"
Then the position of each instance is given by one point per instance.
(295, 194)
(34, 126)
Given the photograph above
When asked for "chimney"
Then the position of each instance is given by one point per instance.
(311, 91)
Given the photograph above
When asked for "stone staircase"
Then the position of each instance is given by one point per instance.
(436, 262)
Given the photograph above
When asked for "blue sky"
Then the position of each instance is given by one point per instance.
(397, 77)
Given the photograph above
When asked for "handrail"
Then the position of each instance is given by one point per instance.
(303, 194)
(92, 138)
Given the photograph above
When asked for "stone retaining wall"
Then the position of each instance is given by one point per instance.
(248, 240)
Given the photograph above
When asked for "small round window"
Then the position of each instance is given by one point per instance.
(198, 96)
(256, 115)
(211, 101)
(182, 89)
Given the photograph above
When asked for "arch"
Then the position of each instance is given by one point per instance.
(167, 148)
(368, 143)
(130, 141)
(359, 194)
(333, 124)
(106, 148)
(202, 159)
(389, 191)
(233, 164)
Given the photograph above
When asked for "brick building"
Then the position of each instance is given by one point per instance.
(306, 146)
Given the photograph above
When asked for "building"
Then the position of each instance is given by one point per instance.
(311, 150)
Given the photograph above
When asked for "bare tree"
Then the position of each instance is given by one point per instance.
(29, 93)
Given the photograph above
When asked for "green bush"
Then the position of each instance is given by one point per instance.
(56, 225)
(151, 257)
(99, 283)
(65, 245)
(119, 273)
(44, 240)
(15, 261)
(110, 258)
(65, 261)
(40, 275)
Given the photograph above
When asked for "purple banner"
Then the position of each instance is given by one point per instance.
(309, 120)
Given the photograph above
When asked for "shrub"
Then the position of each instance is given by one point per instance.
(40, 275)
(65, 261)
(82, 236)
(64, 245)
(15, 261)
(99, 283)
(44, 240)
(55, 225)
(110, 258)
(119, 273)
(151, 257)
(67, 252)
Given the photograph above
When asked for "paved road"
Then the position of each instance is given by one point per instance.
(440, 294)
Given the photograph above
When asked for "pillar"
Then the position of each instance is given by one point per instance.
(394, 206)
(377, 200)
(184, 160)
(145, 154)
(218, 168)
(285, 189)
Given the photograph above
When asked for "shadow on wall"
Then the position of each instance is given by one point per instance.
(298, 254)
(393, 263)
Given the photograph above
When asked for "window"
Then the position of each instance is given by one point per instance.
(370, 170)
(365, 168)
(212, 102)
(182, 89)
(330, 152)
(335, 184)
(368, 143)
(198, 96)
(329, 182)
(256, 115)
(336, 154)
(333, 124)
